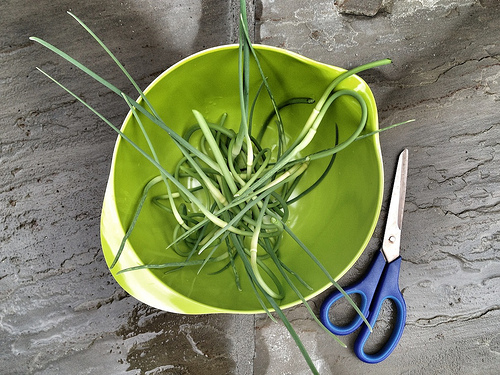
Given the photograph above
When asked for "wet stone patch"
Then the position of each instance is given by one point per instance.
(167, 343)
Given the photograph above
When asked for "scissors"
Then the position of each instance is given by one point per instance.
(381, 280)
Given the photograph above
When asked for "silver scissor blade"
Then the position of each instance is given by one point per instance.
(392, 235)
(401, 191)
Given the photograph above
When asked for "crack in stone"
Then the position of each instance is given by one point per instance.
(97, 303)
(481, 132)
(445, 319)
(461, 63)
(423, 102)
(96, 253)
(465, 264)
(453, 177)
(484, 209)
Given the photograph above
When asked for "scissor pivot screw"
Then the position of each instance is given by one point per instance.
(392, 239)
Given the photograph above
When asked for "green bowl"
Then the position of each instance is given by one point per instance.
(335, 221)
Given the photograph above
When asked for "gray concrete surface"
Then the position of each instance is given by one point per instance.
(61, 311)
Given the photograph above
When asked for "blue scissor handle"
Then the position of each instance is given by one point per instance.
(388, 289)
(365, 288)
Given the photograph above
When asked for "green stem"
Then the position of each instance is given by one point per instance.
(321, 103)
(176, 137)
(216, 151)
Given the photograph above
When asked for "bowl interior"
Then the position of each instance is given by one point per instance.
(335, 221)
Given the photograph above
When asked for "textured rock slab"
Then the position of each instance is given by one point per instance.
(360, 7)
(61, 311)
(445, 74)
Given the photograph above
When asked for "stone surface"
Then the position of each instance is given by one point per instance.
(360, 7)
(445, 74)
(61, 311)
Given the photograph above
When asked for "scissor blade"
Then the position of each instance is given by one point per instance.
(392, 235)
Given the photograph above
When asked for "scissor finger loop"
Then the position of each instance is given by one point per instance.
(365, 289)
(389, 289)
